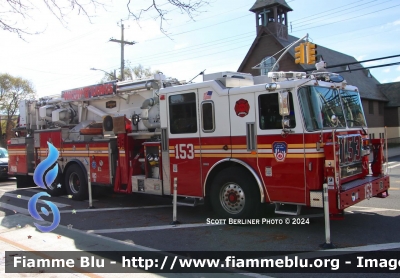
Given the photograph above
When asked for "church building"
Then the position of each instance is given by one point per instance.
(272, 36)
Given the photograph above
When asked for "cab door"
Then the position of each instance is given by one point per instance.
(184, 142)
(281, 155)
(215, 137)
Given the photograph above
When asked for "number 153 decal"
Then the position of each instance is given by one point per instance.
(184, 151)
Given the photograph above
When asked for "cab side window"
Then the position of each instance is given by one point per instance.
(208, 118)
(269, 117)
(182, 113)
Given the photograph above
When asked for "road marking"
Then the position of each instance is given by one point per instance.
(60, 205)
(371, 210)
(110, 209)
(13, 188)
(11, 207)
(25, 211)
(374, 247)
(68, 197)
(376, 209)
(392, 166)
(152, 228)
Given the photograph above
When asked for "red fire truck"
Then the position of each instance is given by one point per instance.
(234, 139)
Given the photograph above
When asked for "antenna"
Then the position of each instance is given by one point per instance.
(201, 73)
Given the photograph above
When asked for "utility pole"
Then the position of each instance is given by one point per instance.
(122, 42)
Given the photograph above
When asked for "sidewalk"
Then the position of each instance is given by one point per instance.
(17, 233)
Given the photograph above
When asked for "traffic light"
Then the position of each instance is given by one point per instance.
(311, 53)
(299, 54)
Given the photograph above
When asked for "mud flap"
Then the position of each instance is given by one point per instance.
(25, 181)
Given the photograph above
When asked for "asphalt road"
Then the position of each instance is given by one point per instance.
(146, 221)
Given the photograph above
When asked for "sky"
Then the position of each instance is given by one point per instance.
(61, 55)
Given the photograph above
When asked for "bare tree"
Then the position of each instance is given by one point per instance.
(190, 7)
(15, 12)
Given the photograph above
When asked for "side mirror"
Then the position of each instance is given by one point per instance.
(284, 108)
(285, 123)
(334, 120)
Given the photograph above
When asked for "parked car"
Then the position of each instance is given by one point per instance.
(3, 163)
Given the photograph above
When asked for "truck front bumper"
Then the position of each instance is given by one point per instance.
(362, 189)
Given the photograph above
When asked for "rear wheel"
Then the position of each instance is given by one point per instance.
(235, 194)
(76, 183)
(56, 188)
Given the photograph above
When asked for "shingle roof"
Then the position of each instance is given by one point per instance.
(262, 3)
(367, 86)
(392, 92)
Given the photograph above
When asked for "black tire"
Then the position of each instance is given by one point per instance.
(76, 183)
(56, 188)
(235, 194)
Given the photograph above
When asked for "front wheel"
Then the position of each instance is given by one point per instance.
(235, 194)
(76, 183)
(56, 189)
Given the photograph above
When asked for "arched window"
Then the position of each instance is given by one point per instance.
(266, 65)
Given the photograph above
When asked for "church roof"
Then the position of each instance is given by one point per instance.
(269, 3)
(391, 91)
(367, 86)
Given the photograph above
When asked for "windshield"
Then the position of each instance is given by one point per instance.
(325, 108)
(353, 108)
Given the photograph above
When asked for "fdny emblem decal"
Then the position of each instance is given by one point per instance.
(280, 150)
(242, 108)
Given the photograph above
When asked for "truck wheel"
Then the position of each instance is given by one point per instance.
(76, 183)
(56, 188)
(235, 194)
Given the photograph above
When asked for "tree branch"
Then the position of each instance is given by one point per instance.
(13, 9)
(58, 8)
(189, 7)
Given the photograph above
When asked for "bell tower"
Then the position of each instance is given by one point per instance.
(272, 14)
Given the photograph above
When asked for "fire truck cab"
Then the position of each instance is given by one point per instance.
(241, 141)
(233, 139)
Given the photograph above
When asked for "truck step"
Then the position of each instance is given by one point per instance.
(190, 202)
(123, 188)
(287, 209)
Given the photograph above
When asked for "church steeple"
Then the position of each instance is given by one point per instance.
(272, 14)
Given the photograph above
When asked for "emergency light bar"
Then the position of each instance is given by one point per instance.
(287, 74)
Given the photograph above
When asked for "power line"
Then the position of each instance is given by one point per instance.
(370, 67)
(319, 14)
(201, 45)
(348, 18)
(212, 25)
(358, 9)
(358, 62)
(190, 51)
(186, 49)
(313, 27)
